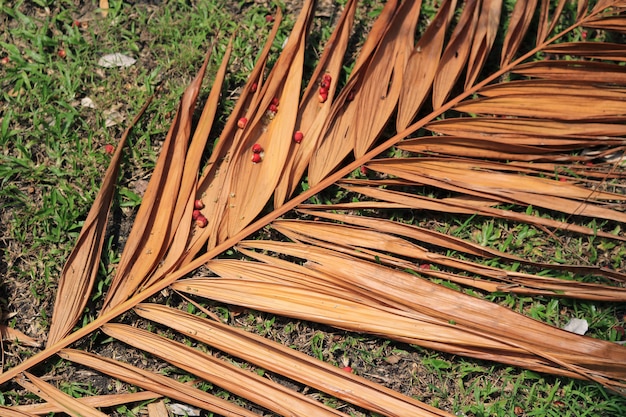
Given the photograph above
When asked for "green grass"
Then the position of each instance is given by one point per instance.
(52, 158)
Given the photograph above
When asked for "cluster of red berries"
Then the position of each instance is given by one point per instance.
(272, 109)
(324, 86)
(256, 153)
(197, 215)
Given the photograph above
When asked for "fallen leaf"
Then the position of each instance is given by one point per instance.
(578, 326)
(11, 334)
(116, 60)
(183, 410)
(87, 102)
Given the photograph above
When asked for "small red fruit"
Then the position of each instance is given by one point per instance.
(323, 90)
(109, 149)
(298, 136)
(61, 53)
(347, 369)
(76, 23)
(253, 87)
(241, 123)
(256, 148)
(363, 170)
(5, 60)
(273, 108)
(198, 204)
(275, 101)
(269, 18)
(256, 158)
(562, 179)
(201, 221)
(327, 78)
(196, 214)
(324, 84)
(322, 97)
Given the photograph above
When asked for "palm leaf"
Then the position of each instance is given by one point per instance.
(499, 142)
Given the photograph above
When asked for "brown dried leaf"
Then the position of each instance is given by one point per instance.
(80, 270)
(598, 50)
(574, 71)
(482, 42)
(523, 12)
(398, 200)
(613, 23)
(13, 335)
(244, 383)
(456, 53)
(420, 301)
(53, 395)
(155, 382)
(383, 80)
(422, 66)
(151, 233)
(550, 130)
(562, 106)
(285, 361)
(312, 114)
(337, 140)
(110, 400)
(252, 184)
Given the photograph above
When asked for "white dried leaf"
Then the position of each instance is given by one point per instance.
(578, 326)
(184, 410)
(116, 60)
(113, 117)
(87, 102)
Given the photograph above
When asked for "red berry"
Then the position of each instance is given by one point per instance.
(256, 148)
(298, 136)
(256, 158)
(363, 170)
(198, 204)
(273, 108)
(269, 18)
(324, 84)
(275, 101)
(323, 90)
(76, 23)
(562, 179)
(61, 53)
(201, 221)
(323, 97)
(195, 214)
(425, 266)
(109, 149)
(253, 87)
(347, 369)
(241, 123)
(5, 60)
(327, 78)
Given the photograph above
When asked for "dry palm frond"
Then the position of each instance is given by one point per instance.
(109, 400)
(359, 273)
